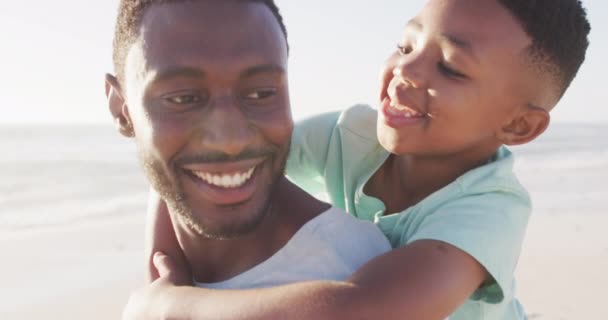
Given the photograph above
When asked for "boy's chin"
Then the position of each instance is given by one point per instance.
(392, 145)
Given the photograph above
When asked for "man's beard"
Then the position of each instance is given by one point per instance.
(166, 182)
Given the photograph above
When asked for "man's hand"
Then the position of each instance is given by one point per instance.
(152, 301)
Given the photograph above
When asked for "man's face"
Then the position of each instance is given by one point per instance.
(455, 79)
(206, 91)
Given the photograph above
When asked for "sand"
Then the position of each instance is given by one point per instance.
(562, 271)
(84, 271)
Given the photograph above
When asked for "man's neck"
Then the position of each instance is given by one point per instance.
(213, 260)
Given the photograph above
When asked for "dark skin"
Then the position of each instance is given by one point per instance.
(467, 93)
(222, 111)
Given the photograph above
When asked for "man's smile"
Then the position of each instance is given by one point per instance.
(226, 183)
(225, 180)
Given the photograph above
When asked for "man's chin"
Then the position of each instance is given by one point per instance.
(229, 223)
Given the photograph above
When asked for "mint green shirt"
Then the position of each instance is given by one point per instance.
(484, 212)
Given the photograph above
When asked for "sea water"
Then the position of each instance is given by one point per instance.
(55, 175)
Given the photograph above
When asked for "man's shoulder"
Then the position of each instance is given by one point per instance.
(345, 233)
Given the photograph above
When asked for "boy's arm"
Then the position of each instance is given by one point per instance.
(310, 144)
(424, 280)
(160, 235)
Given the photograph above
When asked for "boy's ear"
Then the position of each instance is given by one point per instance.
(528, 124)
(118, 107)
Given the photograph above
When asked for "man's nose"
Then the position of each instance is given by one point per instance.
(226, 128)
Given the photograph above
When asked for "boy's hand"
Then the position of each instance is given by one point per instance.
(153, 301)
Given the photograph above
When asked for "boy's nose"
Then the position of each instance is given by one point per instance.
(410, 69)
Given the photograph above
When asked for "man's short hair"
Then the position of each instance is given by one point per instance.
(130, 13)
(559, 31)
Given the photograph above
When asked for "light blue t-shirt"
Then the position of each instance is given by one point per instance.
(484, 212)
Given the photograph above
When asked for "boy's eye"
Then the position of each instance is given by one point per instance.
(449, 72)
(260, 94)
(403, 49)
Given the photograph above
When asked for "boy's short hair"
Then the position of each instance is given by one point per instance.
(559, 31)
(130, 13)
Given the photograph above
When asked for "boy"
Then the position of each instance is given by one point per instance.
(468, 77)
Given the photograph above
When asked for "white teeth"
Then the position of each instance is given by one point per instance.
(404, 111)
(232, 181)
(393, 111)
(225, 180)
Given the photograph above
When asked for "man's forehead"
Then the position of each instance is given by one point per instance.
(207, 34)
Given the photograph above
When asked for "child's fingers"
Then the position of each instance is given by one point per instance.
(163, 264)
(171, 270)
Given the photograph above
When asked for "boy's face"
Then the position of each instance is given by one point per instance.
(456, 79)
(206, 92)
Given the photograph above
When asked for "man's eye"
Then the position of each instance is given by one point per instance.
(185, 99)
(260, 94)
(449, 72)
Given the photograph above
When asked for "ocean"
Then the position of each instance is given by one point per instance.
(57, 175)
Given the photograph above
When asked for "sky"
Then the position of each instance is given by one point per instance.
(55, 54)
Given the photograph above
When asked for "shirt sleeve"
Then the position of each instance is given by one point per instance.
(490, 227)
(309, 149)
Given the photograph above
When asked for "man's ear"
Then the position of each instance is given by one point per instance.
(118, 107)
(526, 126)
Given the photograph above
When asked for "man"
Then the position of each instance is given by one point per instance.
(202, 88)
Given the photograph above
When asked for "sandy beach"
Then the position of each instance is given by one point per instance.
(72, 213)
(84, 271)
(562, 271)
